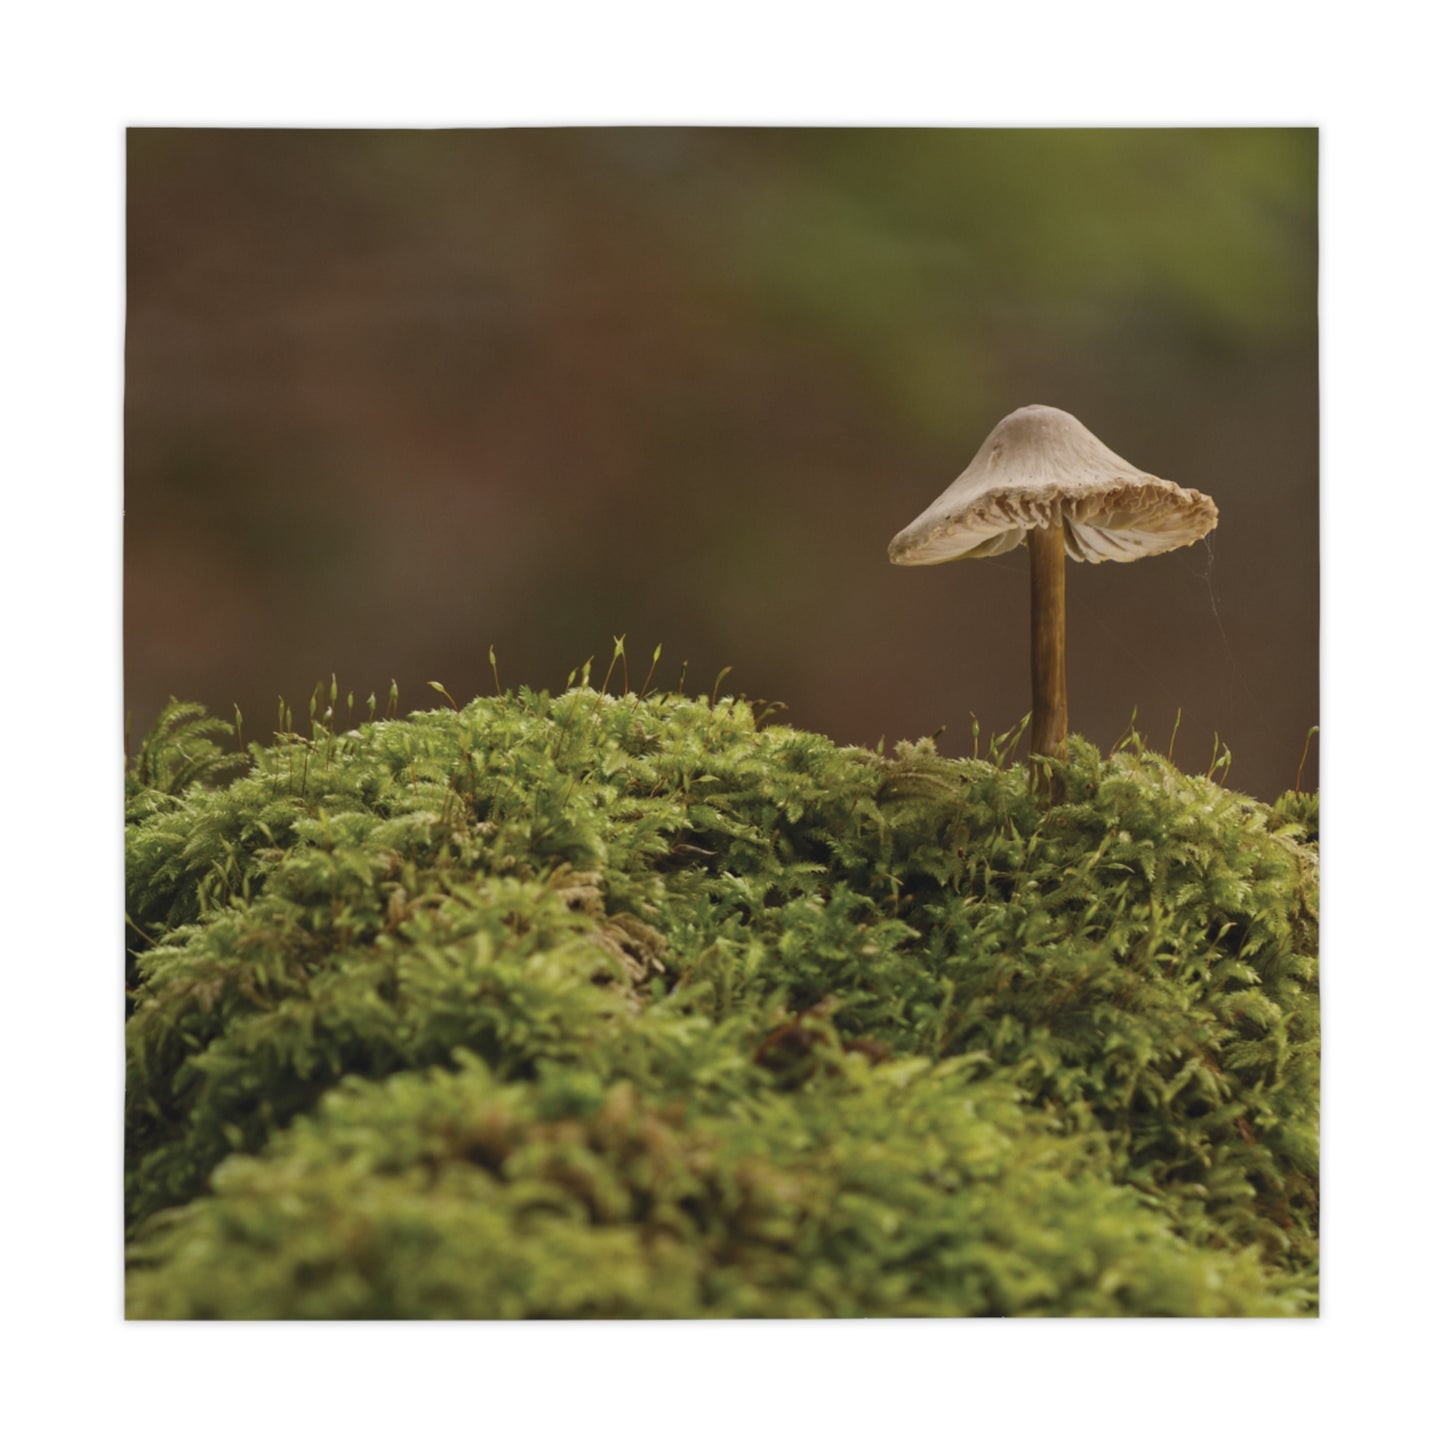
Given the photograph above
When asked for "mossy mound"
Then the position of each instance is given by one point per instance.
(597, 1006)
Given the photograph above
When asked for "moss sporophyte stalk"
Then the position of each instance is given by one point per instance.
(593, 1006)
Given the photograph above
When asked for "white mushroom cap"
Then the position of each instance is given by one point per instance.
(1041, 467)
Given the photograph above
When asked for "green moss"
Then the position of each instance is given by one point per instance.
(601, 1006)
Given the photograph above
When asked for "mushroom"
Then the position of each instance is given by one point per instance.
(1041, 473)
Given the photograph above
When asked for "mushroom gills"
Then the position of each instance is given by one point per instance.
(1112, 539)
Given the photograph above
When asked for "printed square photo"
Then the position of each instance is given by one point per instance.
(721, 723)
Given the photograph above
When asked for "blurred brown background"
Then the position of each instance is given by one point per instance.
(394, 396)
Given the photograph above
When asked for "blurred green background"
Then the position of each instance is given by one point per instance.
(394, 396)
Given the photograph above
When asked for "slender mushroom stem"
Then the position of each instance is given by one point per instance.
(1046, 606)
